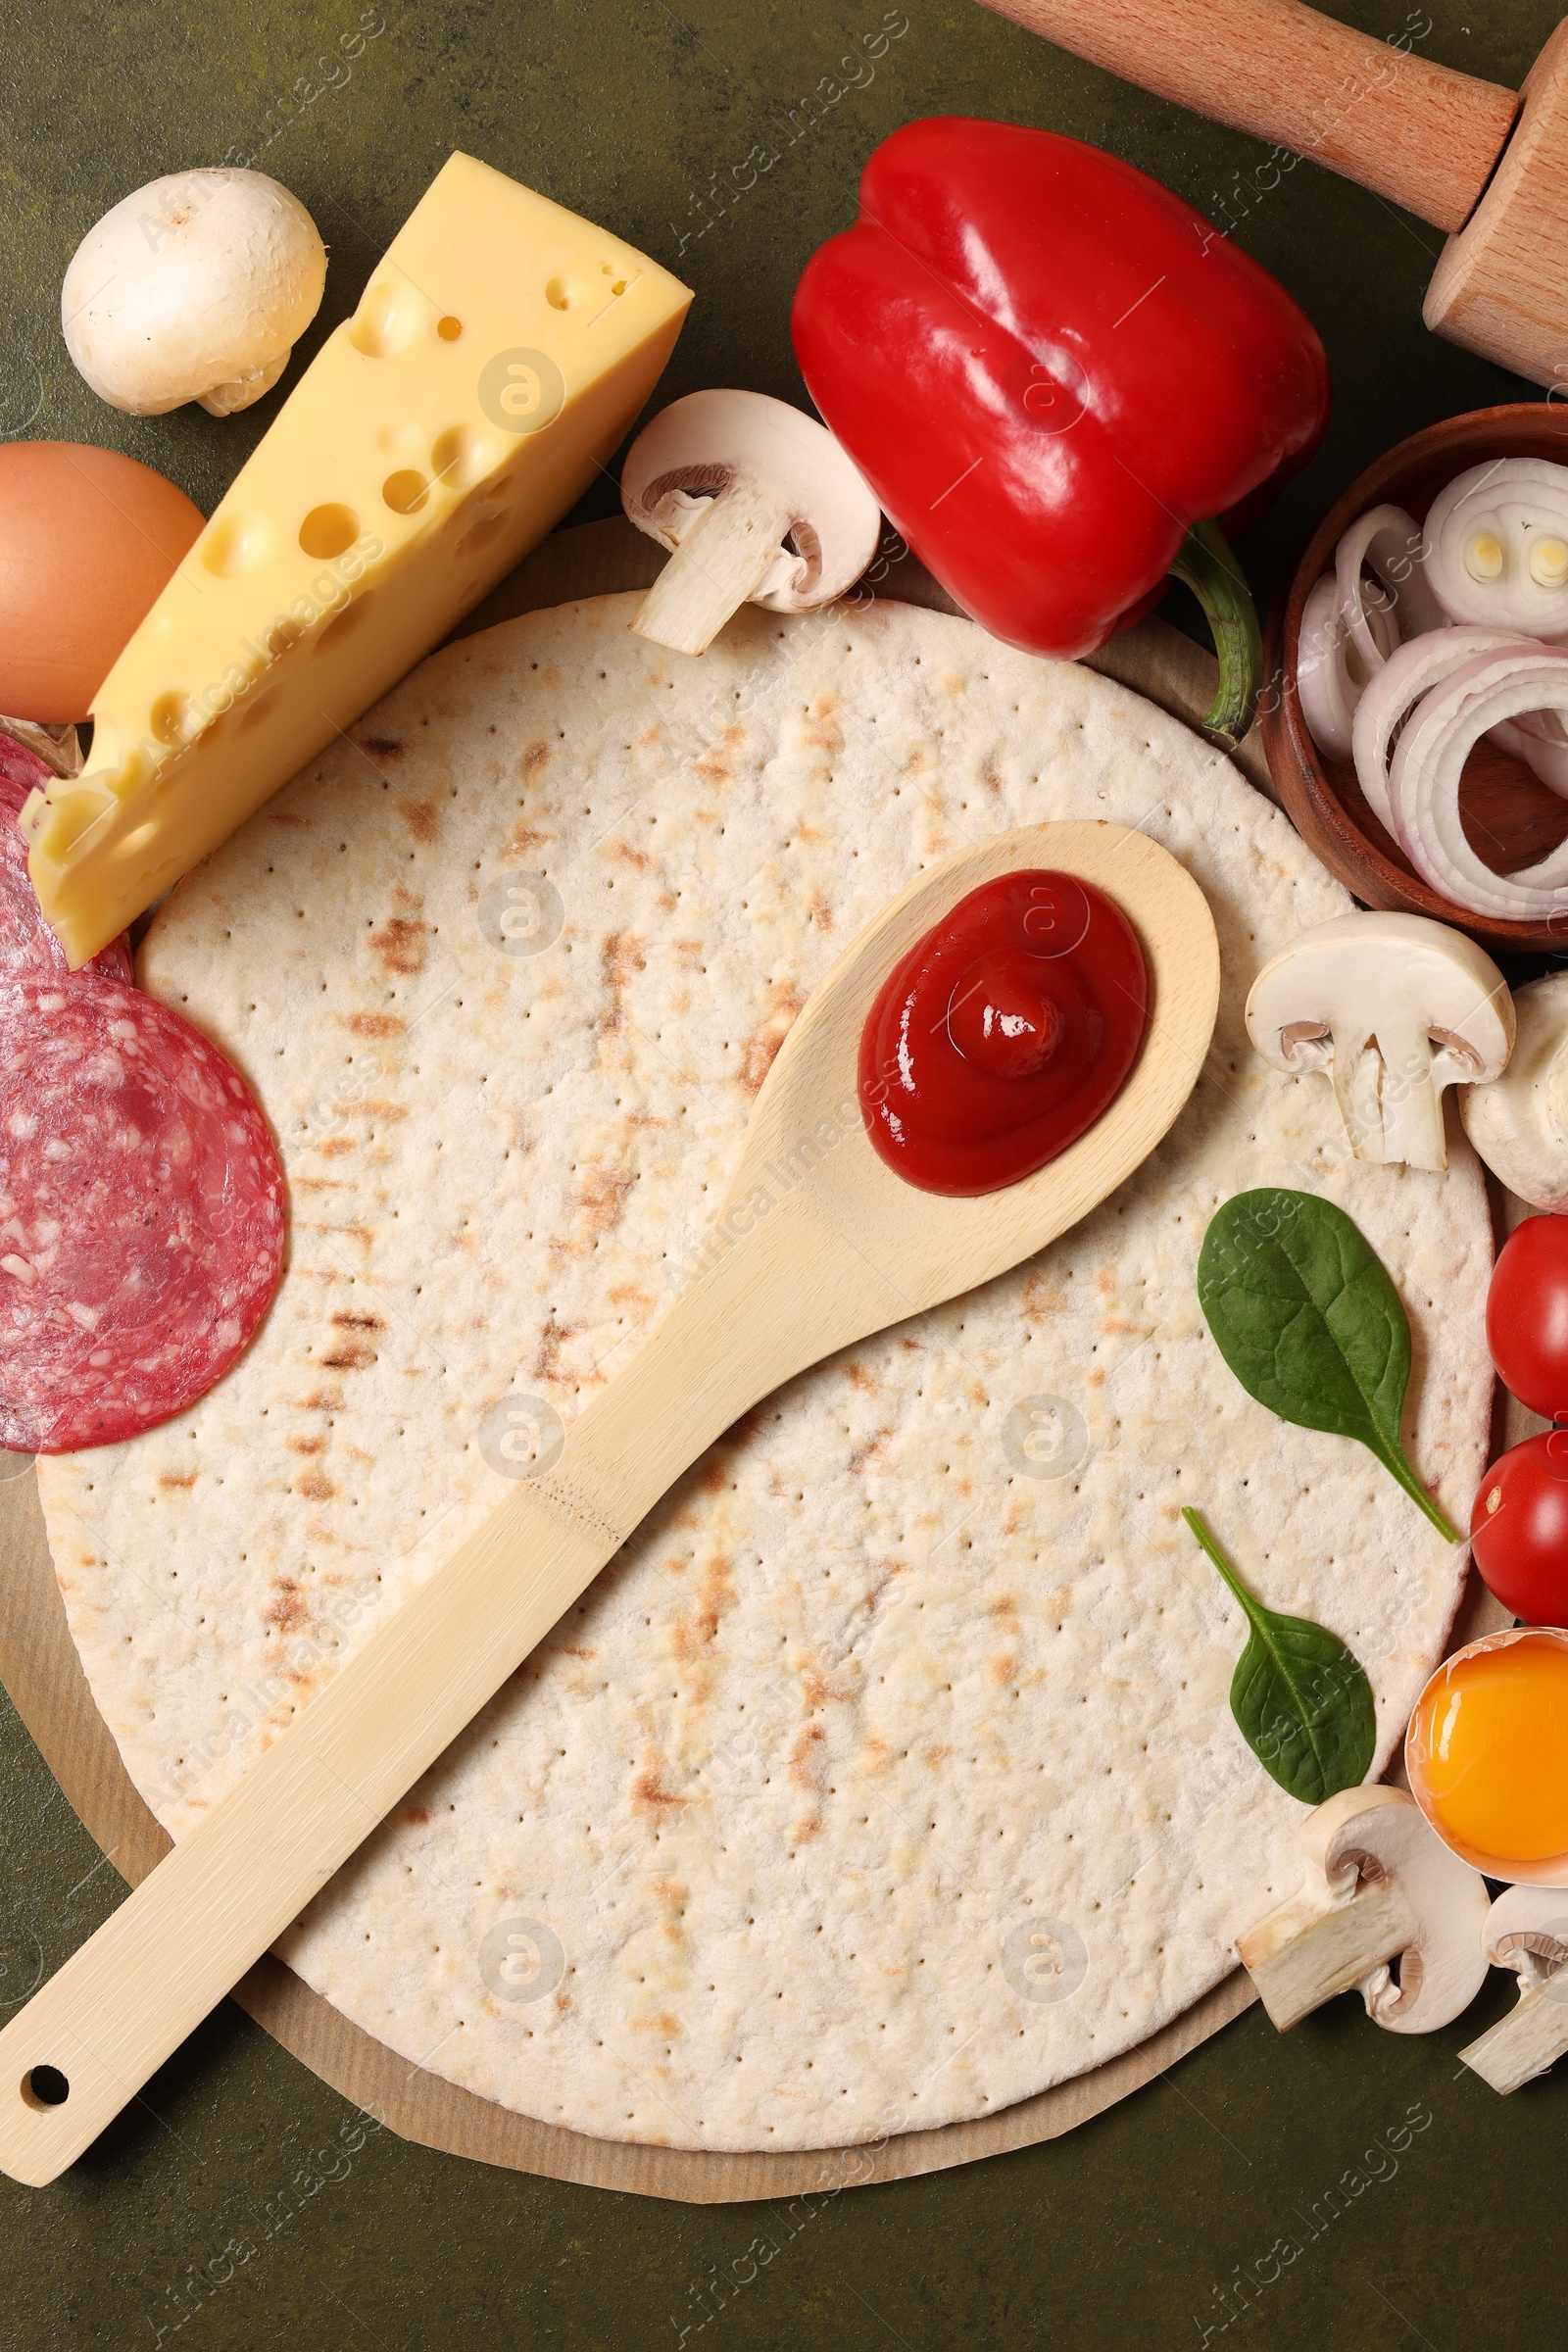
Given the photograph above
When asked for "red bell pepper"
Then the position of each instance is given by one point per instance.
(1056, 376)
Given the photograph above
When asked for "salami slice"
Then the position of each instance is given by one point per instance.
(141, 1213)
(28, 949)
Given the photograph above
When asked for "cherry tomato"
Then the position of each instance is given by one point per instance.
(1527, 1315)
(1519, 1527)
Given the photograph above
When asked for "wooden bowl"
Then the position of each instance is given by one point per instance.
(1511, 819)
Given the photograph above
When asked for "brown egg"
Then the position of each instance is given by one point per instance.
(87, 539)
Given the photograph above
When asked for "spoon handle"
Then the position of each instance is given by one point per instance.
(764, 1305)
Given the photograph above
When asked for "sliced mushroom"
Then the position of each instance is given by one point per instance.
(1526, 1929)
(1391, 1008)
(1380, 1886)
(1519, 1122)
(758, 504)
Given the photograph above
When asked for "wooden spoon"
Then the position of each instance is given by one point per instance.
(818, 1245)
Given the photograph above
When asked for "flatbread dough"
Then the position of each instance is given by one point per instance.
(887, 1775)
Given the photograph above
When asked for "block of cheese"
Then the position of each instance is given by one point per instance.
(497, 357)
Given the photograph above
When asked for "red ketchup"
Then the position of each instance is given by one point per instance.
(1003, 1034)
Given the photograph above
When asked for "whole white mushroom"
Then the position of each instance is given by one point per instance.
(196, 287)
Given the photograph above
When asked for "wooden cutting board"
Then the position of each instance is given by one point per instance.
(42, 1672)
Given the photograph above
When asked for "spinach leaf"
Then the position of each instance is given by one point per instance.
(1303, 1312)
(1301, 1698)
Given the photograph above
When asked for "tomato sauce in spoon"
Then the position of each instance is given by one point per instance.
(1003, 1034)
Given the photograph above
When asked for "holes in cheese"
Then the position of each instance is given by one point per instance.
(172, 718)
(385, 322)
(329, 531)
(235, 544)
(405, 491)
(383, 502)
(463, 456)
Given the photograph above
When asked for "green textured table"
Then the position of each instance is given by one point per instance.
(1336, 2188)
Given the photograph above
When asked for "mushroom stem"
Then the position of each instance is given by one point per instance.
(722, 556)
(1522, 1935)
(1412, 1107)
(1302, 1955)
(1378, 1887)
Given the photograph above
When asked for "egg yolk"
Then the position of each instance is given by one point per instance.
(1490, 1748)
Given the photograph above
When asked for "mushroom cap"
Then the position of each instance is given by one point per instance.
(1381, 1832)
(692, 452)
(1358, 965)
(195, 287)
(1518, 1122)
(1526, 1930)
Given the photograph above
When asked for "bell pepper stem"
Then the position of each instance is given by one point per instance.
(1205, 564)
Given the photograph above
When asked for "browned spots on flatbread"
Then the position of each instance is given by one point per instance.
(936, 1757)
(376, 1106)
(305, 1445)
(316, 1487)
(809, 1758)
(1003, 1606)
(990, 777)
(1042, 1298)
(761, 1048)
(824, 1685)
(373, 1024)
(399, 945)
(600, 1193)
(871, 1455)
(289, 1610)
(860, 1378)
(420, 817)
(291, 818)
(696, 1633)
(383, 747)
(819, 911)
(320, 1400)
(167, 1478)
(418, 1814)
(648, 1793)
(349, 1355)
(358, 1319)
(717, 763)
(526, 836)
(624, 855)
(1003, 1669)
(555, 1335)
(620, 959)
(821, 729)
(535, 758)
(335, 1146)
(714, 1476)
(875, 1754)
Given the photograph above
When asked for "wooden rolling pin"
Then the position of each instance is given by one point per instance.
(1486, 163)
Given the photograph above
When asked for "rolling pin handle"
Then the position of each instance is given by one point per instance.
(1411, 131)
